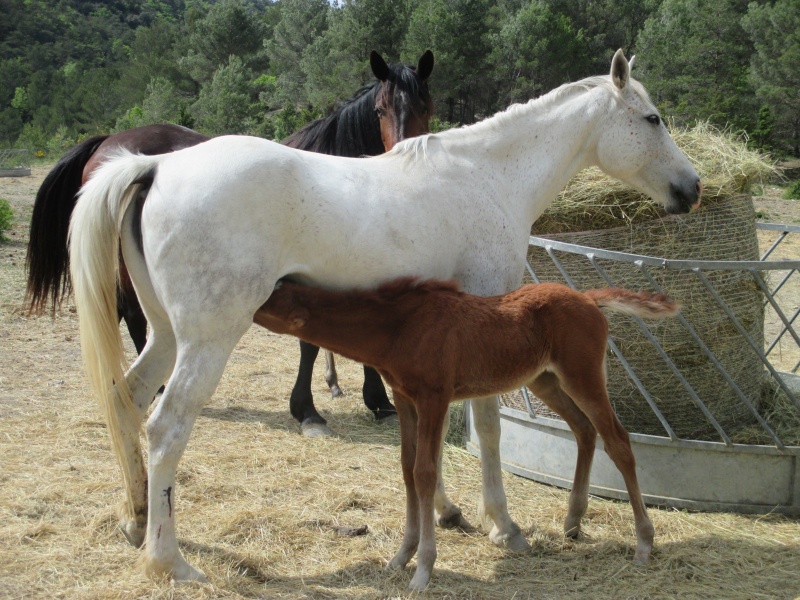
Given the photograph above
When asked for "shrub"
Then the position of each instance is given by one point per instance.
(6, 216)
(792, 192)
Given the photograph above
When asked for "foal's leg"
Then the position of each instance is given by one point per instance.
(301, 401)
(547, 389)
(331, 377)
(149, 371)
(588, 390)
(494, 508)
(431, 412)
(197, 372)
(408, 453)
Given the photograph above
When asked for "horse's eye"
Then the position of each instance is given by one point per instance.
(654, 119)
(379, 111)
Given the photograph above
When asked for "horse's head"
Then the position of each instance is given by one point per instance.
(635, 146)
(403, 103)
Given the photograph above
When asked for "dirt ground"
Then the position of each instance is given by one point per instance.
(257, 503)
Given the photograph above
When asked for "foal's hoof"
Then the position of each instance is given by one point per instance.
(311, 429)
(336, 391)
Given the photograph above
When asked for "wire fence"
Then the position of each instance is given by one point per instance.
(15, 162)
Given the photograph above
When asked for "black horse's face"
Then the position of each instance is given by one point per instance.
(403, 104)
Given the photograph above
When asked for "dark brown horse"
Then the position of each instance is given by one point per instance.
(434, 344)
(397, 106)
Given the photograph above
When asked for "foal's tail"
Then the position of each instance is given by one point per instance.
(47, 261)
(640, 304)
(94, 264)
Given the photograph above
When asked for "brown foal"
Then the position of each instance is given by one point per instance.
(434, 344)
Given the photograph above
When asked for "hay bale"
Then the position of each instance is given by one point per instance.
(597, 211)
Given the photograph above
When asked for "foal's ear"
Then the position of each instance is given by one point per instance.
(631, 62)
(620, 70)
(425, 65)
(379, 67)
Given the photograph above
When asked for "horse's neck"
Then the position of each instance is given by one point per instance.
(529, 153)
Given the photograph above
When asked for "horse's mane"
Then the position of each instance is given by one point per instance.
(352, 129)
(418, 146)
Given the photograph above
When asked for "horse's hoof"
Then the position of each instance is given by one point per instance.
(336, 391)
(133, 533)
(387, 418)
(420, 580)
(513, 541)
(313, 430)
(454, 520)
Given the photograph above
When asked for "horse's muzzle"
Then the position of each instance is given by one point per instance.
(686, 197)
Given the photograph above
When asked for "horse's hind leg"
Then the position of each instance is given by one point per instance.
(301, 402)
(149, 371)
(494, 508)
(587, 388)
(547, 389)
(374, 393)
(197, 372)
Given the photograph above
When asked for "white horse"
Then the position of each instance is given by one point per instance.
(206, 233)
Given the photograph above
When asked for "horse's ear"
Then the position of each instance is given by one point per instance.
(425, 65)
(631, 62)
(379, 67)
(620, 70)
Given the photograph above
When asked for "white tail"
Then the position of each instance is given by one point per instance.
(640, 304)
(94, 266)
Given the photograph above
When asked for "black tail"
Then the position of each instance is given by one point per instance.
(47, 262)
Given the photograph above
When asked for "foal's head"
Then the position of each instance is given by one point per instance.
(636, 147)
(403, 103)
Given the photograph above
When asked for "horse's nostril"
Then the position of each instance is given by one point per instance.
(699, 187)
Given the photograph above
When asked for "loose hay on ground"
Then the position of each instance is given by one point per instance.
(255, 499)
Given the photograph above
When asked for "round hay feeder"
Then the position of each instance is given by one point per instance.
(679, 385)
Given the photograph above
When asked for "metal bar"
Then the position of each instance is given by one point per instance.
(762, 284)
(715, 361)
(778, 227)
(780, 335)
(774, 245)
(783, 281)
(679, 265)
(665, 357)
(746, 335)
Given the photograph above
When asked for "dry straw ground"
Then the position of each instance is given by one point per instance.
(257, 502)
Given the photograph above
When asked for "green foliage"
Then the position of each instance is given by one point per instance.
(71, 68)
(792, 192)
(693, 59)
(6, 218)
(775, 65)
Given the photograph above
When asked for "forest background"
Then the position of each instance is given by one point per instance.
(74, 68)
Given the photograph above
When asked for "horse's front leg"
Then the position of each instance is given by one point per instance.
(301, 401)
(408, 452)
(494, 508)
